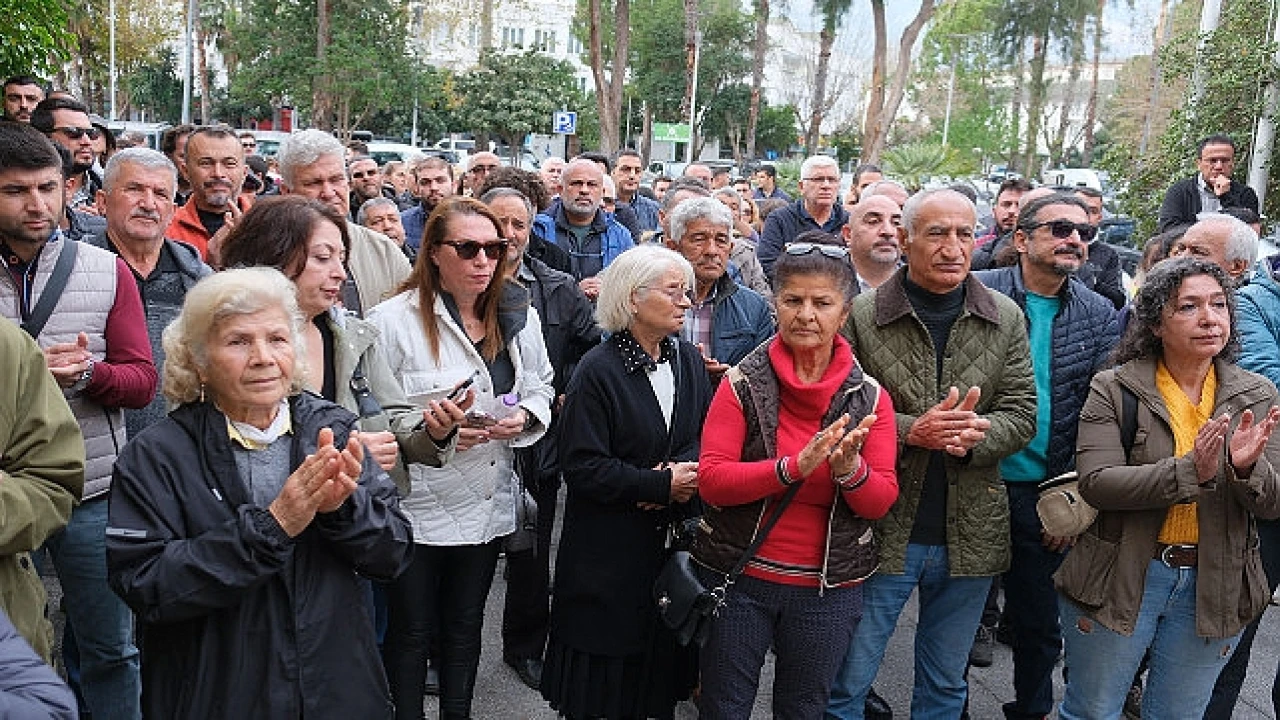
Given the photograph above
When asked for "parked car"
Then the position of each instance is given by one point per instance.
(269, 141)
(385, 152)
(153, 132)
(1118, 232)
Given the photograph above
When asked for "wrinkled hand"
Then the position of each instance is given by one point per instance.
(1250, 439)
(350, 463)
(67, 361)
(714, 367)
(213, 251)
(442, 416)
(312, 485)
(820, 446)
(684, 480)
(1056, 543)
(510, 426)
(951, 425)
(1207, 451)
(590, 287)
(846, 456)
(382, 447)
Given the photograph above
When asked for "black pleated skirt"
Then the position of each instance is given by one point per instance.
(583, 685)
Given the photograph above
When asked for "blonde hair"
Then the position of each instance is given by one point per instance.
(223, 295)
(630, 273)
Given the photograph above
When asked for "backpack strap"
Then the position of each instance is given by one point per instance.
(52, 292)
(1128, 420)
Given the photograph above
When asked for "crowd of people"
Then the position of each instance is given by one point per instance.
(273, 426)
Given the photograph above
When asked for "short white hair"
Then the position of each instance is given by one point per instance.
(700, 208)
(140, 157)
(628, 274)
(912, 206)
(1242, 241)
(305, 148)
(814, 162)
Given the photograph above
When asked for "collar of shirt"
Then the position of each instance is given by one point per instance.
(634, 357)
(252, 438)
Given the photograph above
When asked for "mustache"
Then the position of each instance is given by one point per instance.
(145, 214)
(1070, 250)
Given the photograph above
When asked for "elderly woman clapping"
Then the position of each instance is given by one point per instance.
(1176, 452)
(239, 523)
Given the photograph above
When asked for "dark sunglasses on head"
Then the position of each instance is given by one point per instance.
(468, 249)
(1062, 229)
(831, 251)
(76, 133)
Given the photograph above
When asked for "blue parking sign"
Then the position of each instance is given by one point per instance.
(564, 123)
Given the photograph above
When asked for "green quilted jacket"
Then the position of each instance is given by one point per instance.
(987, 348)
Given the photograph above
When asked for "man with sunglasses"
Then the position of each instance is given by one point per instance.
(954, 357)
(67, 123)
(479, 166)
(818, 208)
(1072, 332)
(1210, 190)
(366, 181)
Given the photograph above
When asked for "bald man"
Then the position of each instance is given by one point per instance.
(873, 234)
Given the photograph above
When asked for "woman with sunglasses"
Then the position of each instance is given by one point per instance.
(458, 328)
(1176, 450)
(628, 444)
(797, 411)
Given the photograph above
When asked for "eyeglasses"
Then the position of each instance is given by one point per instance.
(676, 295)
(468, 249)
(1062, 229)
(834, 252)
(483, 169)
(76, 133)
(823, 180)
(247, 145)
(363, 174)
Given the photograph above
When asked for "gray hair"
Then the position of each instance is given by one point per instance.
(701, 208)
(501, 192)
(223, 295)
(681, 184)
(372, 203)
(1242, 241)
(305, 148)
(140, 157)
(817, 161)
(912, 207)
(627, 275)
(875, 188)
(730, 193)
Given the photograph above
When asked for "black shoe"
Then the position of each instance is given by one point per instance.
(1004, 634)
(1133, 701)
(982, 654)
(876, 707)
(433, 681)
(529, 670)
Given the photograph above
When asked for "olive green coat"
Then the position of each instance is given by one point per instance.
(987, 348)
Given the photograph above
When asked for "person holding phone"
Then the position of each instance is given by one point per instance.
(458, 320)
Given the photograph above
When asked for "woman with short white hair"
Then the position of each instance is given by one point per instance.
(629, 442)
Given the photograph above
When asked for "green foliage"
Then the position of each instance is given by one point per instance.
(156, 88)
(1236, 64)
(913, 164)
(847, 142)
(776, 131)
(514, 94)
(33, 37)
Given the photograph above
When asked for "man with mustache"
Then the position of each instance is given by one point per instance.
(21, 95)
(137, 198)
(432, 182)
(582, 228)
(215, 168)
(1072, 331)
(872, 235)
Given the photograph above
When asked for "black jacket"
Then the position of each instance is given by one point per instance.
(235, 619)
(1182, 202)
(1101, 273)
(1084, 334)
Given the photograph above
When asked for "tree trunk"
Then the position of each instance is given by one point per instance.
(1015, 112)
(759, 48)
(646, 133)
(486, 24)
(874, 119)
(1091, 110)
(609, 94)
(899, 86)
(1057, 148)
(202, 68)
(826, 39)
(321, 100)
(1035, 101)
(690, 57)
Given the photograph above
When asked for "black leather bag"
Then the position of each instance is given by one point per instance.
(685, 604)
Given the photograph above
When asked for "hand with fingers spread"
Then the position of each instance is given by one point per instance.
(1250, 439)
(347, 477)
(951, 425)
(821, 445)
(1207, 451)
(846, 455)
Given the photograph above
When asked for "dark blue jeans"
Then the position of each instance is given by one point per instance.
(1227, 690)
(1031, 604)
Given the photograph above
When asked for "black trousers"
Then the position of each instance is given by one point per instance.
(526, 614)
(444, 590)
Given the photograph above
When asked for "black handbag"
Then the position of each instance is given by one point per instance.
(688, 607)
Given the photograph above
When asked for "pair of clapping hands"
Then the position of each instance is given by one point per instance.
(1243, 448)
(324, 480)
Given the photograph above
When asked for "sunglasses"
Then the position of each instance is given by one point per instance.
(468, 249)
(832, 251)
(76, 133)
(1062, 229)
(363, 175)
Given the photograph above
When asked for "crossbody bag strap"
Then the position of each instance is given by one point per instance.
(365, 401)
(52, 292)
(763, 533)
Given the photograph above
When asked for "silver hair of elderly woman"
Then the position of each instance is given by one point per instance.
(211, 301)
(631, 273)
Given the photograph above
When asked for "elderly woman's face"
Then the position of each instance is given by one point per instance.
(250, 363)
(811, 310)
(320, 280)
(1195, 324)
(660, 305)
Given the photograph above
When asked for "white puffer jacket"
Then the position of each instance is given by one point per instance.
(471, 499)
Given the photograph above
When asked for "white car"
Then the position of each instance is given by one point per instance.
(385, 152)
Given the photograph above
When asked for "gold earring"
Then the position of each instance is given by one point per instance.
(201, 392)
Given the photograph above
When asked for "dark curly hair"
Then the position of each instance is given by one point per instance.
(527, 183)
(1158, 290)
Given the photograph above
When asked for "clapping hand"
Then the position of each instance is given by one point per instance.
(324, 480)
(951, 425)
(1250, 439)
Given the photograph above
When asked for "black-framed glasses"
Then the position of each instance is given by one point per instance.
(1062, 229)
(468, 249)
(76, 133)
(361, 174)
(803, 248)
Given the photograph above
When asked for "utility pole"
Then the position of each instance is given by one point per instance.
(1209, 15)
(1265, 137)
(111, 21)
(188, 53)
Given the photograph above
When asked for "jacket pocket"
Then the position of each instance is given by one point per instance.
(1086, 574)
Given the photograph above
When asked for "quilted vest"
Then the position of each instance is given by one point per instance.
(83, 307)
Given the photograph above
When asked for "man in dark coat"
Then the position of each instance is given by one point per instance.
(1212, 189)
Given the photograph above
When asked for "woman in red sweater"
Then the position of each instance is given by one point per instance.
(798, 409)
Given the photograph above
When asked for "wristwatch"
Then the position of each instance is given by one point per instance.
(85, 377)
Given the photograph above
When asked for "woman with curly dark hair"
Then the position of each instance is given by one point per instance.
(1176, 452)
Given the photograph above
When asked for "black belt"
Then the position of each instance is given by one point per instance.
(1177, 556)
